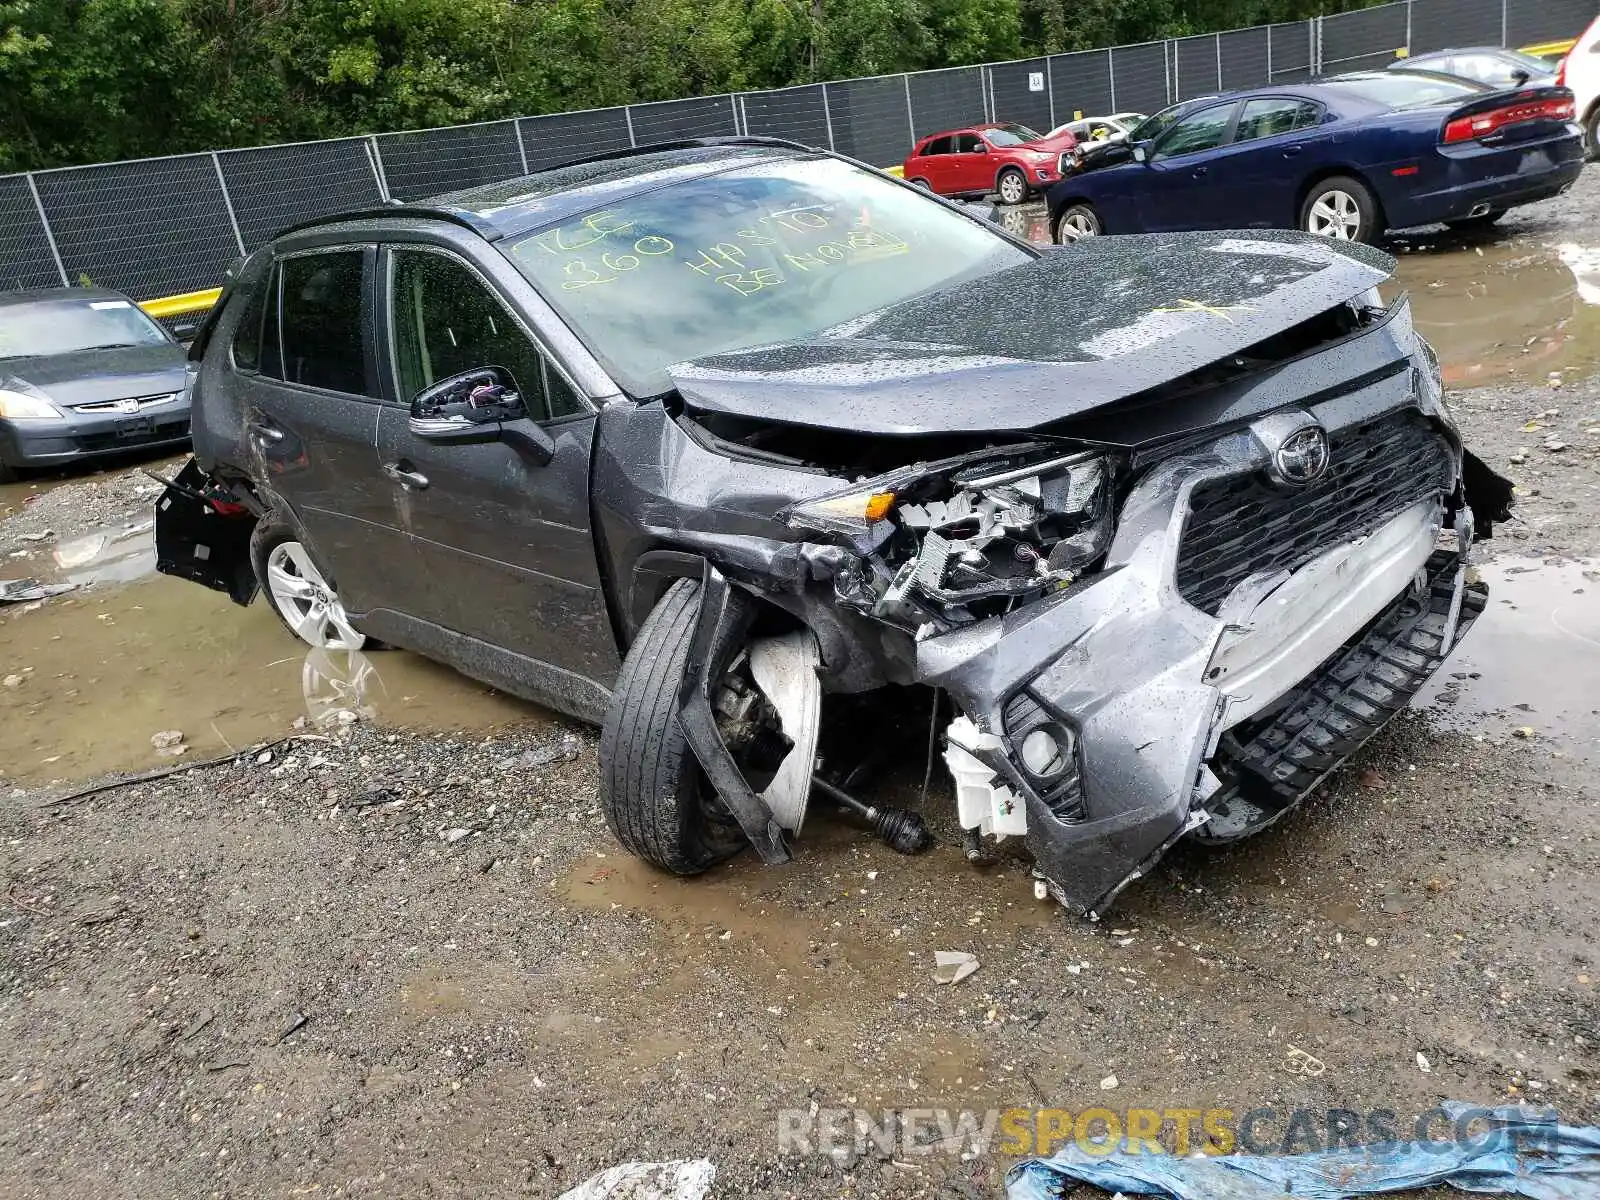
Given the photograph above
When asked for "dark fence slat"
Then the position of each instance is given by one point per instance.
(25, 259)
(150, 228)
(269, 185)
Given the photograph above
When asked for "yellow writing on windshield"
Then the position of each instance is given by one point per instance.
(603, 247)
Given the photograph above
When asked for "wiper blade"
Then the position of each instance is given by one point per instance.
(107, 346)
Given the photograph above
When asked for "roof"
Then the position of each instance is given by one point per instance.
(57, 295)
(514, 206)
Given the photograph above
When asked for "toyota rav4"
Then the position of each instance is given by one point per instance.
(693, 440)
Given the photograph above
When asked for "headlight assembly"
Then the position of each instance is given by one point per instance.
(19, 406)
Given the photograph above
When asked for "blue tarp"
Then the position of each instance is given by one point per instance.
(1518, 1152)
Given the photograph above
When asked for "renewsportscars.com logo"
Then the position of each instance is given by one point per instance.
(1019, 1132)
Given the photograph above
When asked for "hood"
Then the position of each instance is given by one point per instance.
(91, 375)
(1058, 336)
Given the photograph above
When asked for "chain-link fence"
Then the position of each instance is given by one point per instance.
(154, 227)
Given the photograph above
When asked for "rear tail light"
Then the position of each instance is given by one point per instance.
(1561, 71)
(1478, 125)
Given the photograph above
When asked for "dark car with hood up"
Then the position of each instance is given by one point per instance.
(696, 440)
(84, 372)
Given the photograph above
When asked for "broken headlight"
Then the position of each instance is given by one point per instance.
(969, 539)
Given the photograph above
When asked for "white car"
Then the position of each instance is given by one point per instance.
(1580, 71)
(1100, 129)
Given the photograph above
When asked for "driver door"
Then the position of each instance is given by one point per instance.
(505, 540)
(1180, 189)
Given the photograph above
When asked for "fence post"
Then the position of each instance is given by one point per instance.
(375, 160)
(1111, 79)
(227, 200)
(1269, 55)
(1505, 27)
(827, 116)
(522, 150)
(1218, 36)
(1050, 89)
(49, 234)
(627, 115)
(1408, 28)
(911, 117)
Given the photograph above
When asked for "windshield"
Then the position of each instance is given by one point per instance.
(65, 326)
(1398, 89)
(1010, 135)
(750, 256)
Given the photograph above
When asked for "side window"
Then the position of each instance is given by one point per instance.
(968, 143)
(1482, 67)
(446, 321)
(321, 322)
(1270, 117)
(939, 145)
(1203, 130)
(247, 334)
(271, 329)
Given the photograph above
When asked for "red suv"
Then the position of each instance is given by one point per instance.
(1011, 160)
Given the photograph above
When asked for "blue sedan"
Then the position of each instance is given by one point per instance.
(1346, 157)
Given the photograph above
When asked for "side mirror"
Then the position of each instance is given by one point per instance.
(1141, 152)
(477, 407)
(1519, 77)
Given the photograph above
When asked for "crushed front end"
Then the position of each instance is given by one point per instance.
(1182, 633)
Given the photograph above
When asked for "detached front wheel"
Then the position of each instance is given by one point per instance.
(652, 791)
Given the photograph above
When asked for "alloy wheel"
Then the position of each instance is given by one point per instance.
(1078, 225)
(308, 603)
(1335, 215)
(1012, 189)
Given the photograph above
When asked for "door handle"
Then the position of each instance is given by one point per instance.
(266, 431)
(1290, 151)
(412, 481)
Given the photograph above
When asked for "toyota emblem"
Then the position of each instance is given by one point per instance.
(1303, 457)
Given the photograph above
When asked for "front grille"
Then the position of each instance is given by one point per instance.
(1244, 524)
(131, 404)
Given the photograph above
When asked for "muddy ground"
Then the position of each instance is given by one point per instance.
(398, 954)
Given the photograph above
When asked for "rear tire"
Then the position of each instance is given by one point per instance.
(1011, 186)
(652, 791)
(1467, 224)
(923, 184)
(1341, 208)
(297, 589)
(8, 473)
(1076, 222)
(1591, 134)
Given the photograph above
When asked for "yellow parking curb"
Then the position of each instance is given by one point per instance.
(177, 306)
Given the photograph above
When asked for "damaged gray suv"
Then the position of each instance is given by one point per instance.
(693, 440)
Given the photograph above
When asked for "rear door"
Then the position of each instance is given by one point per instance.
(970, 168)
(506, 542)
(935, 157)
(1178, 190)
(311, 420)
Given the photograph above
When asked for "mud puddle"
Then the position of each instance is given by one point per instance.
(1495, 311)
(1506, 311)
(1529, 664)
(99, 671)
